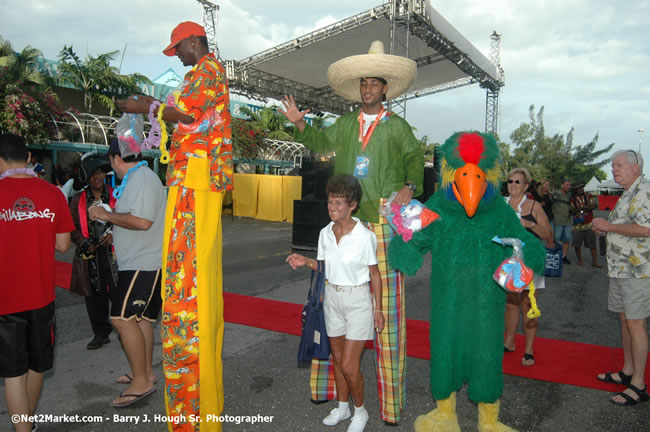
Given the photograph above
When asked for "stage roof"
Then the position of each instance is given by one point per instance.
(445, 58)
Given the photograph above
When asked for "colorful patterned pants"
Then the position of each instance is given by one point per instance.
(390, 344)
(192, 322)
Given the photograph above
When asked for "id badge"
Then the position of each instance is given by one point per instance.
(361, 167)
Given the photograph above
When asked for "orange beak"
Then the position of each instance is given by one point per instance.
(469, 187)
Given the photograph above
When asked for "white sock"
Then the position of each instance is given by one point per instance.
(359, 410)
(344, 406)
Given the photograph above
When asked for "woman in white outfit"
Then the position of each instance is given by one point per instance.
(352, 303)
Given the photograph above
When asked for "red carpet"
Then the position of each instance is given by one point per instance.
(556, 361)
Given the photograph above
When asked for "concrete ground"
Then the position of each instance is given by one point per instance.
(260, 373)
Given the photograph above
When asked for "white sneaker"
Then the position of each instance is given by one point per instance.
(336, 416)
(358, 421)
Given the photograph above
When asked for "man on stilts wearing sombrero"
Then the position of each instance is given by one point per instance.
(379, 148)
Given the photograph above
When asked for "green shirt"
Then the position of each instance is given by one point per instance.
(395, 157)
(561, 208)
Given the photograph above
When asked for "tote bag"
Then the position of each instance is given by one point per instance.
(314, 343)
(553, 264)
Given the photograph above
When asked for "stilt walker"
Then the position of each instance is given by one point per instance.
(200, 171)
(379, 148)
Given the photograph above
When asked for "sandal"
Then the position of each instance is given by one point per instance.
(124, 379)
(609, 378)
(528, 357)
(629, 400)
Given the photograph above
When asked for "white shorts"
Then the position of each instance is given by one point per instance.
(348, 312)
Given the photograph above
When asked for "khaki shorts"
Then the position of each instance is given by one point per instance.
(631, 296)
(348, 312)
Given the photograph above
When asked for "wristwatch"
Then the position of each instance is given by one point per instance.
(411, 186)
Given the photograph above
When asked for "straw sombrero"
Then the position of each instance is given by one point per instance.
(344, 75)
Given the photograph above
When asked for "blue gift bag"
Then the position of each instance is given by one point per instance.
(314, 342)
(553, 264)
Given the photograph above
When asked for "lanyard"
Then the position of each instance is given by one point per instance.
(117, 191)
(364, 139)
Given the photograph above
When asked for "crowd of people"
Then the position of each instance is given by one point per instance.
(140, 252)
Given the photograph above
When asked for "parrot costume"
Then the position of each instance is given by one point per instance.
(467, 305)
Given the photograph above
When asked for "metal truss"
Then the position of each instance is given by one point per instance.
(316, 36)
(399, 44)
(244, 79)
(441, 88)
(210, 24)
(409, 18)
(421, 27)
(492, 95)
(256, 84)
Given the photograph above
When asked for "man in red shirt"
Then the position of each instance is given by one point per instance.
(34, 221)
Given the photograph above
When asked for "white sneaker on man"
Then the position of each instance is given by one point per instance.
(359, 420)
(336, 416)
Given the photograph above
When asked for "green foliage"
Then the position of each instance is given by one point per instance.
(97, 78)
(27, 106)
(20, 69)
(555, 157)
(269, 122)
(246, 139)
(319, 122)
(429, 150)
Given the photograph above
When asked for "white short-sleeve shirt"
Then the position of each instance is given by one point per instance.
(347, 263)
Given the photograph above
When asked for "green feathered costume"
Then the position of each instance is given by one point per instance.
(467, 305)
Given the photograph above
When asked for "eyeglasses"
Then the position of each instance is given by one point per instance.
(514, 181)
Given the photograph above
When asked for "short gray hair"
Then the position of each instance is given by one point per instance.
(632, 156)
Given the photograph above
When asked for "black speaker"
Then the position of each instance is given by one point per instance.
(315, 175)
(309, 217)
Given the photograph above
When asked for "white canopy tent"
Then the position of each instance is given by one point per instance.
(592, 185)
(609, 185)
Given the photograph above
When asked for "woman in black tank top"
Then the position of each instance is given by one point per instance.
(534, 219)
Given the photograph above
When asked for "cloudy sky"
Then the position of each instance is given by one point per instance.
(586, 61)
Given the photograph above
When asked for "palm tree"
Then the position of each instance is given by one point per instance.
(21, 68)
(318, 121)
(428, 149)
(269, 121)
(97, 78)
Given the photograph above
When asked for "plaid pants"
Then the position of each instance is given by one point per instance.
(390, 344)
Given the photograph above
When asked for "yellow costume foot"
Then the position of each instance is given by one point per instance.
(441, 419)
(488, 418)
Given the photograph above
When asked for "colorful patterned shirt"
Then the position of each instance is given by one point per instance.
(582, 219)
(202, 158)
(628, 257)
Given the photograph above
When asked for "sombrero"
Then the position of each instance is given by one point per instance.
(399, 72)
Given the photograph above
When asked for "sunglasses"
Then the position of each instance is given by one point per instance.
(514, 181)
(636, 158)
